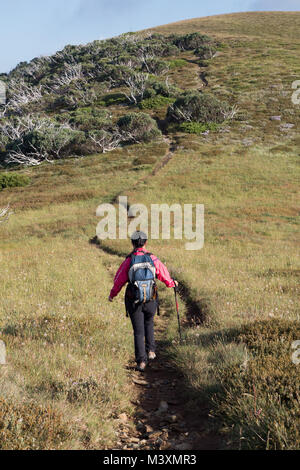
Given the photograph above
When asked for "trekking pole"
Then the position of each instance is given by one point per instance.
(177, 308)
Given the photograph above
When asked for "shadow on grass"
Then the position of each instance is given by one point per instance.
(107, 249)
(186, 421)
(198, 310)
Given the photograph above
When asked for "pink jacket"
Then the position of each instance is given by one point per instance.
(121, 277)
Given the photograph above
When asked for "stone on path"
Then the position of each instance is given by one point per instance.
(163, 407)
(140, 382)
(275, 118)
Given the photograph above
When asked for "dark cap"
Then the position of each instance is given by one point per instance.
(139, 239)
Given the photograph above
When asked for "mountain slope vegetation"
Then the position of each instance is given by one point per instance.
(198, 111)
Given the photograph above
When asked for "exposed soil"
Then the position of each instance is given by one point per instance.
(167, 157)
(161, 419)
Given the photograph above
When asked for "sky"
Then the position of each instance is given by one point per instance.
(31, 28)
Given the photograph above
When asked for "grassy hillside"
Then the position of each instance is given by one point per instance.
(67, 347)
(260, 24)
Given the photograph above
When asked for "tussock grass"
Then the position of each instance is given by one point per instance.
(67, 346)
(259, 401)
(30, 427)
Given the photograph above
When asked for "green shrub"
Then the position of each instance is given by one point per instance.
(12, 180)
(206, 51)
(259, 402)
(199, 107)
(55, 141)
(70, 97)
(197, 127)
(116, 73)
(126, 59)
(138, 127)
(177, 63)
(112, 99)
(86, 119)
(156, 87)
(157, 101)
(103, 140)
(155, 66)
(190, 41)
(49, 141)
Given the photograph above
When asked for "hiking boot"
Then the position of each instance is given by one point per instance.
(141, 366)
(151, 355)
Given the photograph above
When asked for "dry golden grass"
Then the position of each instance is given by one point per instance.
(67, 346)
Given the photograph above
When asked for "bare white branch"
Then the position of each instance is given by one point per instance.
(107, 141)
(16, 130)
(21, 94)
(185, 114)
(4, 214)
(230, 113)
(136, 83)
(72, 72)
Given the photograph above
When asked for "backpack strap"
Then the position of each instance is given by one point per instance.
(134, 252)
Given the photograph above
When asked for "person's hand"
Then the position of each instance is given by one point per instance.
(110, 299)
(176, 284)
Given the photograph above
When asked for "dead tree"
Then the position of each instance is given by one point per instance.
(137, 84)
(106, 141)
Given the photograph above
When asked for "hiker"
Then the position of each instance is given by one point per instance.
(140, 269)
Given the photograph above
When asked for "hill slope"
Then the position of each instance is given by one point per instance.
(251, 24)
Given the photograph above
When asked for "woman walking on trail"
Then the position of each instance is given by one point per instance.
(140, 269)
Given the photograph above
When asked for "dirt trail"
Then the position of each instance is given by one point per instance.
(167, 157)
(161, 420)
(163, 162)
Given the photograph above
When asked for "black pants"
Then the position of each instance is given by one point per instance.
(142, 316)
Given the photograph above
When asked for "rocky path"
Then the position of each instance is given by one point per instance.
(161, 420)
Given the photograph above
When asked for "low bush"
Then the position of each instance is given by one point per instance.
(86, 119)
(138, 127)
(27, 426)
(112, 99)
(190, 41)
(49, 140)
(197, 127)
(199, 107)
(70, 97)
(259, 402)
(156, 102)
(104, 140)
(55, 141)
(206, 51)
(12, 180)
(156, 87)
(155, 66)
(176, 63)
